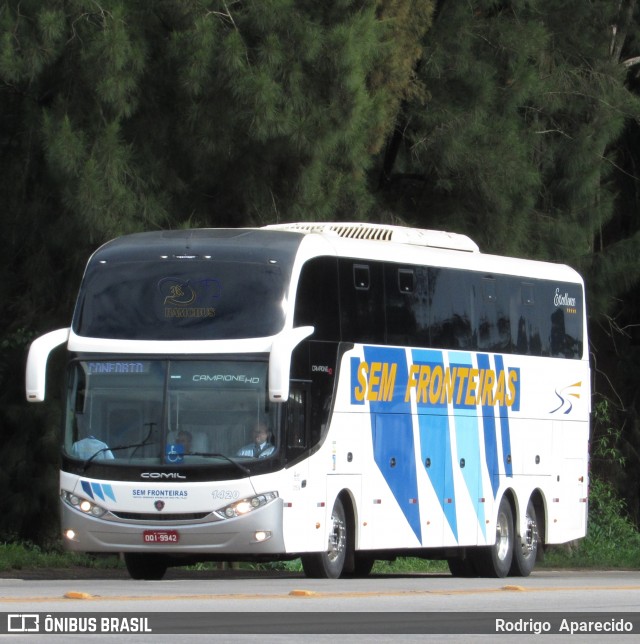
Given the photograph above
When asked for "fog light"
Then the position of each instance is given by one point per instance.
(70, 534)
(262, 535)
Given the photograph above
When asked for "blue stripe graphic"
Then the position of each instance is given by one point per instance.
(435, 442)
(455, 401)
(392, 435)
(108, 490)
(86, 486)
(468, 441)
(490, 435)
(93, 490)
(97, 490)
(504, 422)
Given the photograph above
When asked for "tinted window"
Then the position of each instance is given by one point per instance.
(361, 302)
(407, 296)
(180, 300)
(561, 308)
(317, 298)
(491, 330)
(450, 308)
(525, 318)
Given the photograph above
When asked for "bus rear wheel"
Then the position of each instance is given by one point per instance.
(526, 548)
(330, 564)
(495, 560)
(145, 566)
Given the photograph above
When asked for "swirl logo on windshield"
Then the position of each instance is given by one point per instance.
(180, 295)
(565, 394)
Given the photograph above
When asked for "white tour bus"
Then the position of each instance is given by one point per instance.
(412, 397)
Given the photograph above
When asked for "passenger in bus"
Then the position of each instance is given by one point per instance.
(89, 447)
(262, 445)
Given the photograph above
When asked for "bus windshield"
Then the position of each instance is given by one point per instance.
(180, 300)
(186, 412)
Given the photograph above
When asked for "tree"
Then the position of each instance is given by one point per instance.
(125, 115)
(284, 103)
(526, 142)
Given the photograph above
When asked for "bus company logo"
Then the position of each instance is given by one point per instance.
(159, 506)
(176, 292)
(159, 495)
(564, 395)
(187, 299)
(435, 384)
(322, 369)
(563, 299)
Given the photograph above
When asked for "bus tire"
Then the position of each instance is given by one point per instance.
(330, 564)
(362, 565)
(145, 566)
(495, 560)
(525, 551)
(462, 566)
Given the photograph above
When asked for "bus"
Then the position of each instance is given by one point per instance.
(416, 397)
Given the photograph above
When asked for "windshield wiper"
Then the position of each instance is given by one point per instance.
(112, 449)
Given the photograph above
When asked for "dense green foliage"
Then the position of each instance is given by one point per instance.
(514, 121)
(612, 539)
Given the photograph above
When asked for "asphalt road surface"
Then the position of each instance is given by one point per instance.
(240, 606)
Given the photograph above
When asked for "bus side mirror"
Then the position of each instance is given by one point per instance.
(280, 361)
(36, 374)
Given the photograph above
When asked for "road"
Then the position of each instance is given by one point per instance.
(384, 606)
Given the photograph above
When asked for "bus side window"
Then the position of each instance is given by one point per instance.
(491, 316)
(317, 298)
(402, 306)
(527, 335)
(362, 315)
(562, 320)
(450, 309)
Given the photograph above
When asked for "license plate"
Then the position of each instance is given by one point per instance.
(160, 536)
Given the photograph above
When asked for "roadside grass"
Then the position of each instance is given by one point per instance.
(612, 542)
(25, 556)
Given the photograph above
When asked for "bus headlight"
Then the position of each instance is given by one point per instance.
(82, 504)
(244, 506)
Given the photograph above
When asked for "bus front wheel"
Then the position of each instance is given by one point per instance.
(145, 566)
(330, 564)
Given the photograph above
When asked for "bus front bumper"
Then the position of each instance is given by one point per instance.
(258, 533)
